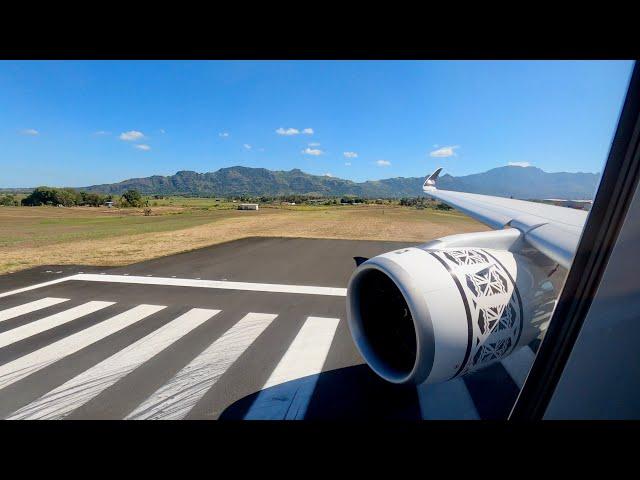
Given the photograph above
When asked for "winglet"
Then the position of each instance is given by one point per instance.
(430, 181)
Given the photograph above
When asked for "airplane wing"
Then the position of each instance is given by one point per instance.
(554, 231)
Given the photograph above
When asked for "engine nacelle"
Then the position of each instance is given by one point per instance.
(431, 315)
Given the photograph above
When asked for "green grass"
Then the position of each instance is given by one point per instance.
(38, 231)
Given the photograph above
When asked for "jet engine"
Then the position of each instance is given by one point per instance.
(443, 310)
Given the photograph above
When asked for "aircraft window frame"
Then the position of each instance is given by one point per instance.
(614, 195)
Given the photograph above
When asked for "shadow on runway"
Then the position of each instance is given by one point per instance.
(346, 393)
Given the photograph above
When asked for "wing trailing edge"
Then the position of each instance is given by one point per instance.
(553, 230)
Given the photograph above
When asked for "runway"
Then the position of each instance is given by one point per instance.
(250, 329)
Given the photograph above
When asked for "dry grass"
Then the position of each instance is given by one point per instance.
(50, 236)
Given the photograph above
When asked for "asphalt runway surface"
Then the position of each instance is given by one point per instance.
(250, 329)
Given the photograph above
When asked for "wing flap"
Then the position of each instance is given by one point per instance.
(555, 242)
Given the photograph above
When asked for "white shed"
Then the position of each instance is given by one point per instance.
(248, 206)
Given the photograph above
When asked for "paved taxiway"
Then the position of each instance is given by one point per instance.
(254, 328)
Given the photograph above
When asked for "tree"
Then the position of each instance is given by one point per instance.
(69, 197)
(443, 206)
(8, 200)
(52, 196)
(91, 199)
(132, 198)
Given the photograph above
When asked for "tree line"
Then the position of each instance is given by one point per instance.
(423, 202)
(69, 197)
(300, 199)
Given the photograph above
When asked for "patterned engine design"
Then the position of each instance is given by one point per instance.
(492, 302)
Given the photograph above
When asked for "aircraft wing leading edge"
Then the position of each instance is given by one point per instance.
(554, 231)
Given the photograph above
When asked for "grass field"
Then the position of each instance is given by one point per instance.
(32, 236)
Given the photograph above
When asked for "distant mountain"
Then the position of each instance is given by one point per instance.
(525, 182)
(510, 181)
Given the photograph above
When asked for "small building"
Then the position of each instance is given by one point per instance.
(577, 204)
(108, 204)
(248, 206)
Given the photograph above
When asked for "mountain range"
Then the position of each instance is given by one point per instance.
(508, 181)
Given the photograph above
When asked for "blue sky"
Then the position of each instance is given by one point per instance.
(77, 123)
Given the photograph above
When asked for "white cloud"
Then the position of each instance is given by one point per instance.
(443, 152)
(30, 131)
(102, 132)
(142, 146)
(383, 163)
(347, 164)
(314, 144)
(519, 164)
(287, 131)
(294, 131)
(247, 146)
(162, 131)
(312, 151)
(223, 134)
(350, 155)
(328, 174)
(131, 136)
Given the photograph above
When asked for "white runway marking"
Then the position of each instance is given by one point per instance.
(79, 390)
(19, 368)
(447, 401)
(30, 307)
(174, 400)
(37, 285)
(518, 364)
(305, 357)
(308, 351)
(52, 321)
(189, 282)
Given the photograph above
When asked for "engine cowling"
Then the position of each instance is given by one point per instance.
(429, 315)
